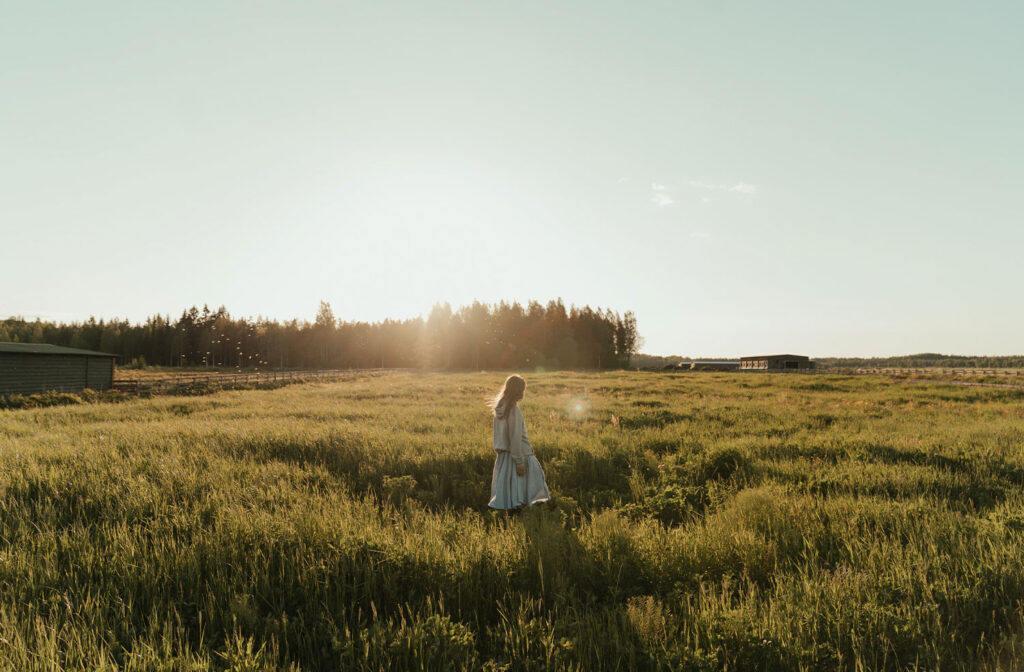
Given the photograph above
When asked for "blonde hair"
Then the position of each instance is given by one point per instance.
(511, 392)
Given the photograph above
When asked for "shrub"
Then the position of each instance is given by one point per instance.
(722, 465)
(41, 400)
(396, 489)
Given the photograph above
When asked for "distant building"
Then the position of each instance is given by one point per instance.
(30, 368)
(714, 366)
(776, 363)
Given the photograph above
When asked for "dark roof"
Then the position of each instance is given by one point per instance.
(775, 357)
(47, 349)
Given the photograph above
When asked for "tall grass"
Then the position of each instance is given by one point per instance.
(700, 522)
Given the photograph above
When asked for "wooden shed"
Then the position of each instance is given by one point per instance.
(30, 368)
(776, 363)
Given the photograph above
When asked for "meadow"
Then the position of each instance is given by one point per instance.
(699, 522)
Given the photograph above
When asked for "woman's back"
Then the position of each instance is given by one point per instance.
(517, 479)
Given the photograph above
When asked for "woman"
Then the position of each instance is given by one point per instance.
(517, 480)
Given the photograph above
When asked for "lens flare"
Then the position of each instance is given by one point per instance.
(578, 408)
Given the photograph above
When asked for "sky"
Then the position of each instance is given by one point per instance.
(819, 177)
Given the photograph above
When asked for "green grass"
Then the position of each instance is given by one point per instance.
(699, 522)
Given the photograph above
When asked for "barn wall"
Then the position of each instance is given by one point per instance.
(101, 373)
(32, 373)
(775, 364)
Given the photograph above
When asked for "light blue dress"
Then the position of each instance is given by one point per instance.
(509, 490)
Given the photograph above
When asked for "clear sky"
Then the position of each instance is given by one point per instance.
(819, 177)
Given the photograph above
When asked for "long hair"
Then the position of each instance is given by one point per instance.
(511, 392)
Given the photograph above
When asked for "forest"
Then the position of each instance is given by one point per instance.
(478, 336)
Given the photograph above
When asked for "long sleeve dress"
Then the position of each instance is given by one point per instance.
(509, 490)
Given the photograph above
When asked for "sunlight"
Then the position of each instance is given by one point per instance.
(578, 408)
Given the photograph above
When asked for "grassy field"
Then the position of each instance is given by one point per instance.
(700, 522)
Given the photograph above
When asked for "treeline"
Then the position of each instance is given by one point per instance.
(479, 336)
(927, 359)
(645, 361)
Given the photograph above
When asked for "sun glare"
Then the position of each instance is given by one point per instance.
(578, 408)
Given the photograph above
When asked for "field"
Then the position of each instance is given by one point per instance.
(699, 522)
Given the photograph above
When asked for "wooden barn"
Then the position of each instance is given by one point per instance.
(30, 368)
(776, 363)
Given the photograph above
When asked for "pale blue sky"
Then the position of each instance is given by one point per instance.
(827, 178)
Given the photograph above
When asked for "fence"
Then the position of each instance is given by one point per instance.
(926, 370)
(913, 371)
(216, 381)
(185, 382)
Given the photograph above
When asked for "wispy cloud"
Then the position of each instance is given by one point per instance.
(663, 194)
(700, 234)
(662, 199)
(739, 187)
